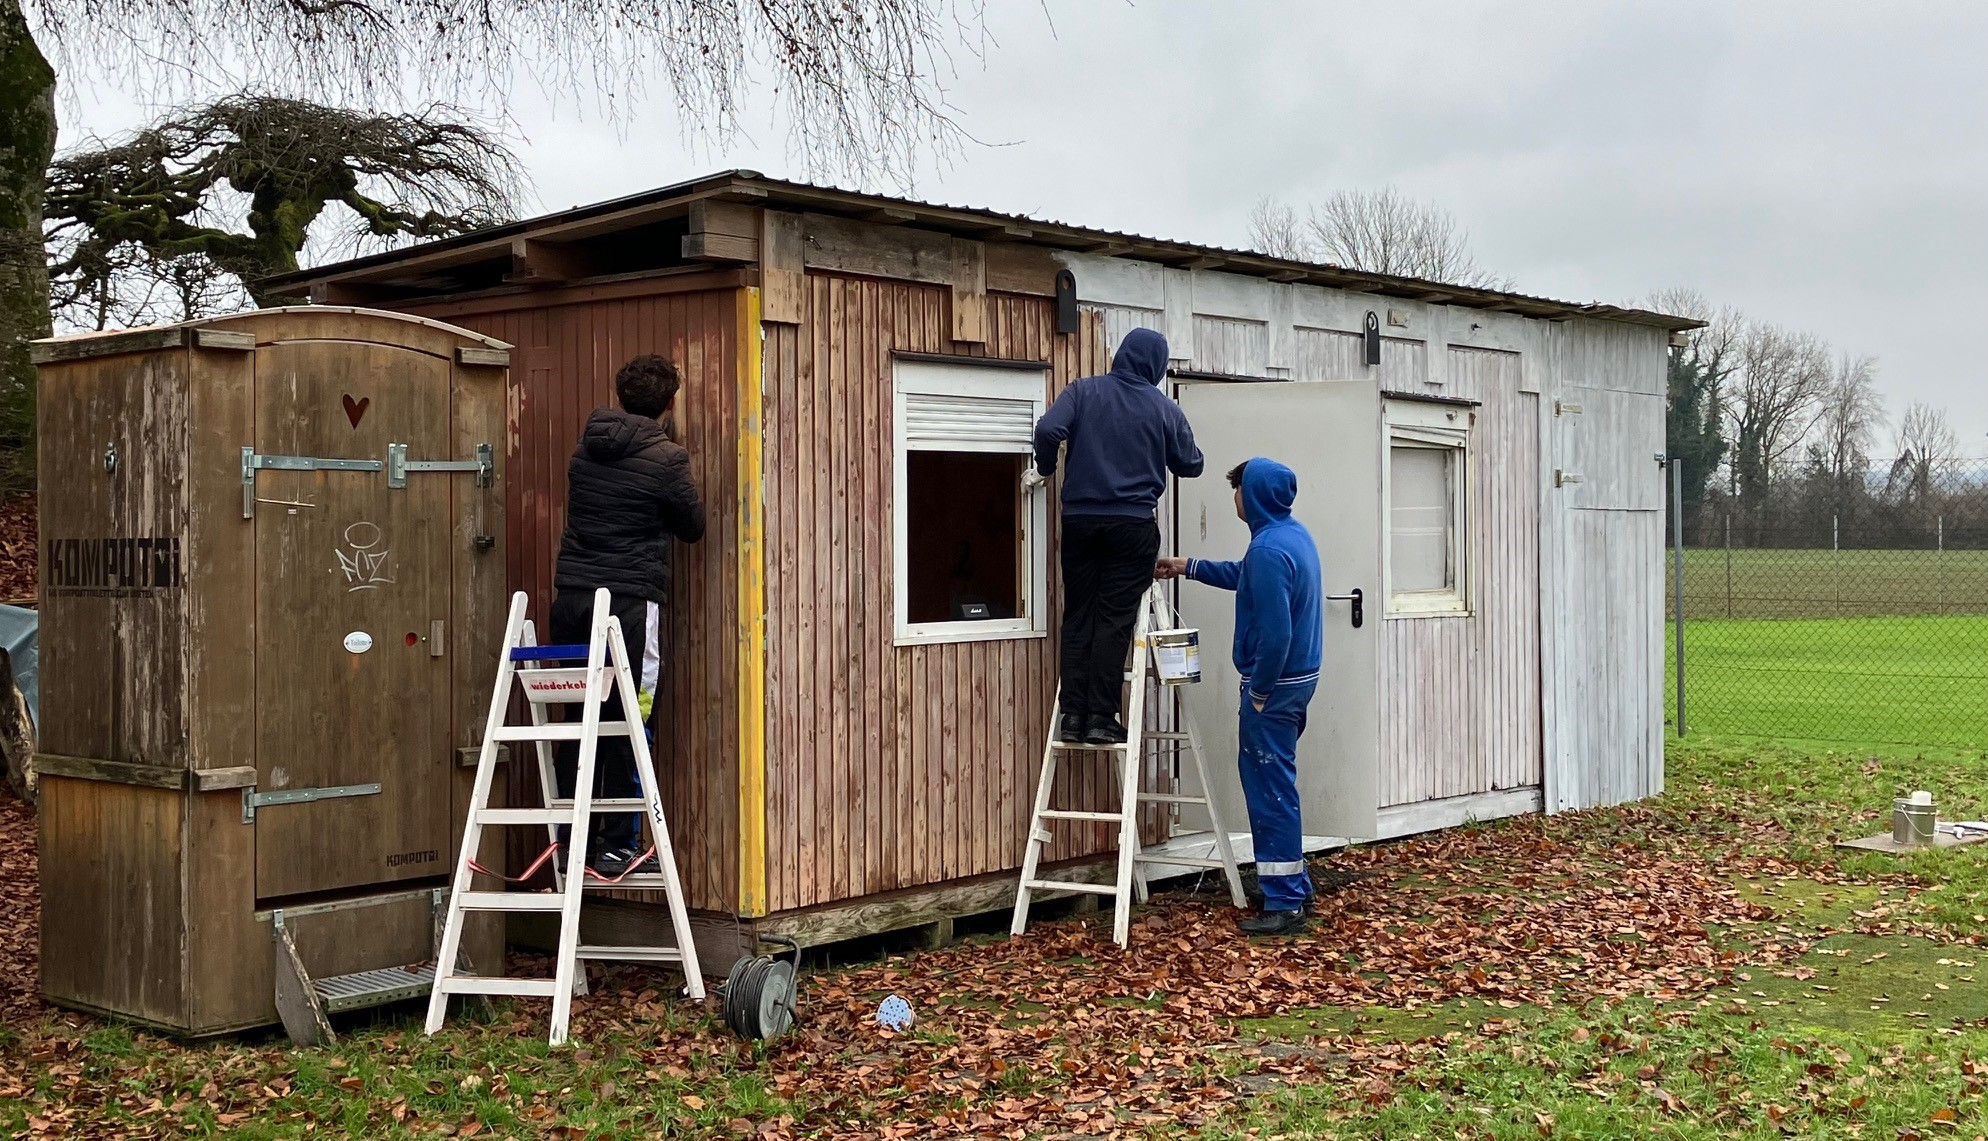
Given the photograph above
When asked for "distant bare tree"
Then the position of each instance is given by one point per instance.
(1774, 398)
(1276, 230)
(1851, 414)
(1928, 454)
(1385, 231)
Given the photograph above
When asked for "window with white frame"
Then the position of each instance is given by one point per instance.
(970, 560)
(1426, 487)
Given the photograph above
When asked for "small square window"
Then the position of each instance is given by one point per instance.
(970, 563)
(1426, 482)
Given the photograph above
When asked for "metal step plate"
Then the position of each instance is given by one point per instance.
(374, 988)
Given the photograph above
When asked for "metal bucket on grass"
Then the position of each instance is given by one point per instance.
(1179, 655)
(1912, 820)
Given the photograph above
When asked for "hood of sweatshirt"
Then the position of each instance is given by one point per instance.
(1141, 356)
(612, 433)
(1268, 491)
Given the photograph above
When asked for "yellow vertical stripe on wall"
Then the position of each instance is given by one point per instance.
(752, 613)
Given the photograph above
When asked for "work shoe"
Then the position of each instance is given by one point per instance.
(1104, 731)
(1070, 730)
(1274, 923)
(617, 862)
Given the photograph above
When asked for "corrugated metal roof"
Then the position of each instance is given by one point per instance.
(1039, 231)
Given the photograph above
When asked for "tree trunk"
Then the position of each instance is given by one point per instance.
(27, 143)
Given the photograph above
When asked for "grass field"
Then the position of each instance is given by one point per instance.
(1918, 681)
(1831, 584)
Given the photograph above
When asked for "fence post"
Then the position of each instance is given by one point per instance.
(1677, 574)
(1940, 565)
(1729, 566)
(1836, 562)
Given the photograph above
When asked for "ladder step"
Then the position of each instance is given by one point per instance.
(1081, 747)
(374, 988)
(1062, 885)
(640, 881)
(604, 803)
(493, 984)
(1065, 814)
(632, 954)
(1181, 861)
(558, 731)
(524, 816)
(511, 900)
(1167, 735)
(1171, 798)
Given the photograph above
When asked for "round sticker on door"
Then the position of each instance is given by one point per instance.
(358, 641)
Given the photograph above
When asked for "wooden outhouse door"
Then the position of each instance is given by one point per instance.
(1330, 434)
(352, 590)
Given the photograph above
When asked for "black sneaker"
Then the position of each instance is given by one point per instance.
(617, 862)
(1274, 923)
(1104, 731)
(1070, 730)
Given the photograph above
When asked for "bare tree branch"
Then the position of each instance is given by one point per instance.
(860, 84)
(1384, 231)
(1274, 229)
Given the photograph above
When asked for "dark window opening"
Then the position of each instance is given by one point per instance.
(963, 536)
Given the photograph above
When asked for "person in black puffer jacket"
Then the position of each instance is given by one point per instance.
(628, 493)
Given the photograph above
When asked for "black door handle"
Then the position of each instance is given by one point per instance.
(1358, 598)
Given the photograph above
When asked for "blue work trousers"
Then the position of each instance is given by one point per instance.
(1269, 763)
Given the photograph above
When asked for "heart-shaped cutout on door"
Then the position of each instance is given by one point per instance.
(355, 409)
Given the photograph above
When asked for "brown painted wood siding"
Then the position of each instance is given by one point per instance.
(890, 767)
(1461, 706)
(562, 368)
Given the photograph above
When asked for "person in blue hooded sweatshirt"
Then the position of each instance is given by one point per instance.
(1123, 435)
(1280, 638)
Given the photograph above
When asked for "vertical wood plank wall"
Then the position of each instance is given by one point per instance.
(890, 767)
(1460, 696)
(562, 368)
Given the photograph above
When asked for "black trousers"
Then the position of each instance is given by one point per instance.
(572, 623)
(1107, 568)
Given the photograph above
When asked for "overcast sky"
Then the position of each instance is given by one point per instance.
(1820, 165)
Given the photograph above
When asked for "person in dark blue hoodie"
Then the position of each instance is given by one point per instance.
(1280, 640)
(1123, 435)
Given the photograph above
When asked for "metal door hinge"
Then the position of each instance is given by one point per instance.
(1562, 408)
(1563, 478)
(398, 465)
(252, 800)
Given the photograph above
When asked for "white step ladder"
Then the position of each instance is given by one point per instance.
(607, 665)
(1129, 757)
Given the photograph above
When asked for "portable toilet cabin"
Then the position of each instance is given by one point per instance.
(271, 554)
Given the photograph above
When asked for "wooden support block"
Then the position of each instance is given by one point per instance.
(355, 294)
(722, 231)
(939, 933)
(536, 261)
(782, 268)
(969, 281)
(473, 357)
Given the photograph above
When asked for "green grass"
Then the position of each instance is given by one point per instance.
(1831, 584)
(1920, 681)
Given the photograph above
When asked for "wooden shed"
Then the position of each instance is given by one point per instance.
(272, 544)
(849, 748)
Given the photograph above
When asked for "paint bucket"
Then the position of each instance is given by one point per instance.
(1179, 655)
(1912, 820)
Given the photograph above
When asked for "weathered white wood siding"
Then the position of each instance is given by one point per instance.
(1460, 700)
(1585, 718)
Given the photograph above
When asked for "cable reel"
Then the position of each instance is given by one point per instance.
(762, 993)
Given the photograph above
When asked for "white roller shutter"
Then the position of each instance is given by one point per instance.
(967, 423)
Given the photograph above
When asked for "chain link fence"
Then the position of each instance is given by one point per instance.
(1828, 612)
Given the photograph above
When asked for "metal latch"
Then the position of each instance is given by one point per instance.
(398, 465)
(252, 463)
(252, 800)
(1563, 478)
